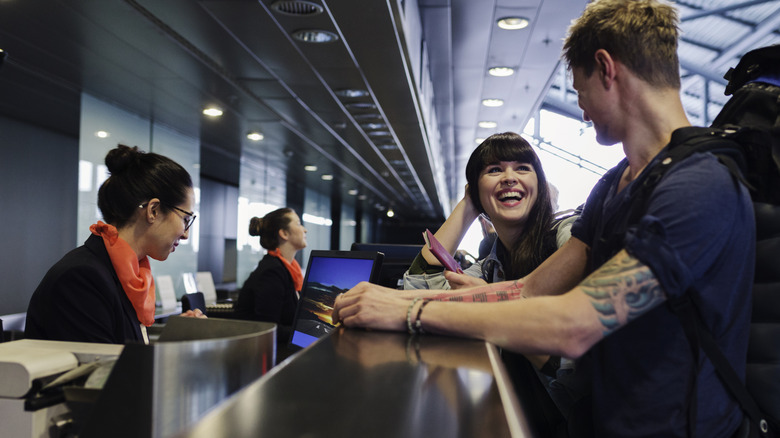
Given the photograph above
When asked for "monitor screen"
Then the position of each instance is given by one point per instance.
(328, 274)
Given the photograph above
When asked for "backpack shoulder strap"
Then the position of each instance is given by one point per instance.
(700, 337)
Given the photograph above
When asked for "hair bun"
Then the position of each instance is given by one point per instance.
(121, 157)
(255, 225)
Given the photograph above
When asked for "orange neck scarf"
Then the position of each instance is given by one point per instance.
(292, 267)
(135, 277)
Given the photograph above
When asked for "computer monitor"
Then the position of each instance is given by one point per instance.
(328, 274)
(398, 258)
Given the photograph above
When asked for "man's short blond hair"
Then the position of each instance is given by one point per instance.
(641, 34)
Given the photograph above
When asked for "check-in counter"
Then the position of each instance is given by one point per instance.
(135, 390)
(375, 384)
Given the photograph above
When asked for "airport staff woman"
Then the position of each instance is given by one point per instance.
(103, 291)
(271, 292)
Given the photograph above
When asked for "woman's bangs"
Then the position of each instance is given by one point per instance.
(509, 151)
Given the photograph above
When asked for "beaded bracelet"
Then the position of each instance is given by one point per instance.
(418, 322)
(409, 326)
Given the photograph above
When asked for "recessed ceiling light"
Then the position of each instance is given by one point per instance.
(255, 136)
(352, 192)
(318, 36)
(479, 140)
(360, 105)
(327, 177)
(387, 146)
(296, 7)
(487, 124)
(367, 116)
(501, 71)
(378, 133)
(376, 125)
(310, 168)
(513, 23)
(362, 197)
(212, 111)
(390, 213)
(102, 134)
(351, 92)
(492, 102)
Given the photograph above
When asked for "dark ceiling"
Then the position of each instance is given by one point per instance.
(422, 66)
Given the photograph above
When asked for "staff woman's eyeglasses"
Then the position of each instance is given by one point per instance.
(189, 216)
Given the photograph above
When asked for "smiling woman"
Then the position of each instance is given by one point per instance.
(506, 184)
(103, 291)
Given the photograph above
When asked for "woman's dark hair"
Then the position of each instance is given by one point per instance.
(136, 177)
(535, 244)
(268, 227)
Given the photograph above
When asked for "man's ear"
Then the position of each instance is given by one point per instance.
(605, 67)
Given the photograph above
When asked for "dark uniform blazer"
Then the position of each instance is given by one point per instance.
(269, 295)
(80, 299)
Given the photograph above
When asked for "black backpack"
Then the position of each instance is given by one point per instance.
(745, 137)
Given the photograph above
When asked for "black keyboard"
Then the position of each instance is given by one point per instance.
(219, 308)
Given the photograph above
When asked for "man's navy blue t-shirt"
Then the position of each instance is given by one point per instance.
(698, 231)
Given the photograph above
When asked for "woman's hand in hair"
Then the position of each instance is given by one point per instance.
(471, 208)
(461, 281)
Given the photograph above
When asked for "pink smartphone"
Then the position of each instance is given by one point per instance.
(441, 254)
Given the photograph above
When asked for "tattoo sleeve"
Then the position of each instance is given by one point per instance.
(622, 290)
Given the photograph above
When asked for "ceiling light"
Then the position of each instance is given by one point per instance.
(513, 23)
(479, 140)
(212, 111)
(296, 7)
(378, 133)
(492, 102)
(367, 116)
(362, 197)
(102, 134)
(352, 192)
(315, 36)
(351, 92)
(310, 168)
(360, 105)
(375, 125)
(501, 71)
(327, 177)
(387, 146)
(390, 213)
(487, 124)
(255, 136)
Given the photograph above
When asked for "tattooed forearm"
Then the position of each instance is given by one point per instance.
(621, 290)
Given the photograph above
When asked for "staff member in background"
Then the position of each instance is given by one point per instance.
(271, 292)
(103, 291)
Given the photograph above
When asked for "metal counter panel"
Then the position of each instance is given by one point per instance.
(360, 383)
(158, 390)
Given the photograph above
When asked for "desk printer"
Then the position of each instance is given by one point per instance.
(30, 371)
